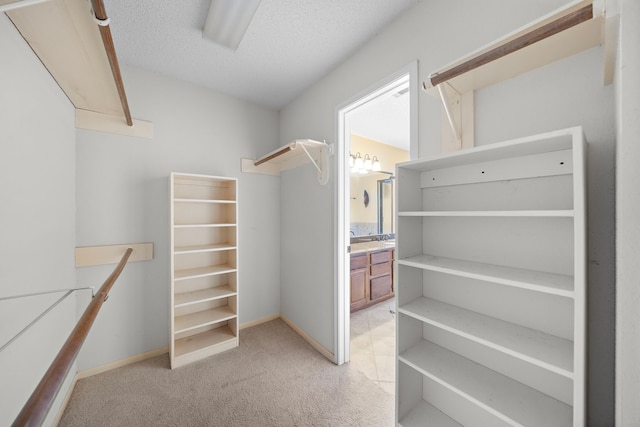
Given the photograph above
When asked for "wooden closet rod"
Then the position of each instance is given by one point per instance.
(570, 20)
(105, 32)
(278, 153)
(36, 408)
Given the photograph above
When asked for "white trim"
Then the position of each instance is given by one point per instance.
(315, 344)
(260, 321)
(122, 362)
(341, 213)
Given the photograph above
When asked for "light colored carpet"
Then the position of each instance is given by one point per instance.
(274, 378)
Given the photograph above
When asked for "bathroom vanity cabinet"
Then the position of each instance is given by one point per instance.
(371, 277)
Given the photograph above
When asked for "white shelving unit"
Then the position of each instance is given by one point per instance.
(491, 285)
(204, 266)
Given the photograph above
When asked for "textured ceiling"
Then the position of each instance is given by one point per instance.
(289, 45)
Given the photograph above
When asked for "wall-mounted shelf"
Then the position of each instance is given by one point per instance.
(111, 254)
(73, 41)
(576, 27)
(292, 155)
(567, 31)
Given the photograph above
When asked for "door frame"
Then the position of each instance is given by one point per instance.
(341, 192)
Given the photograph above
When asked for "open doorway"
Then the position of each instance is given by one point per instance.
(362, 123)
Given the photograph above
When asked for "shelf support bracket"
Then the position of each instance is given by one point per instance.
(311, 158)
(449, 103)
(458, 122)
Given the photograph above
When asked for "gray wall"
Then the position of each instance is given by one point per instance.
(122, 191)
(628, 219)
(564, 94)
(37, 219)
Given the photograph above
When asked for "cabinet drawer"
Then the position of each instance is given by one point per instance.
(380, 257)
(380, 287)
(358, 261)
(380, 269)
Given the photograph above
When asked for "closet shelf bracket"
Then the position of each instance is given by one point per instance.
(449, 105)
(292, 155)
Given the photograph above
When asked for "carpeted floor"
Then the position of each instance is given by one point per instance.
(274, 378)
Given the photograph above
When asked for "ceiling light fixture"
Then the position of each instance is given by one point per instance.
(228, 21)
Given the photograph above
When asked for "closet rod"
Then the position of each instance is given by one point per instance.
(278, 153)
(48, 292)
(563, 23)
(105, 32)
(35, 410)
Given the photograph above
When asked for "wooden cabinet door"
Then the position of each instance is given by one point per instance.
(359, 288)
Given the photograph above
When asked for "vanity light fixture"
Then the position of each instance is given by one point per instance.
(368, 165)
(358, 163)
(376, 164)
(361, 166)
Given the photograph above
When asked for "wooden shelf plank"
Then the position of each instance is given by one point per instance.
(541, 349)
(204, 225)
(565, 32)
(81, 68)
(204, 201)
(555, 284)
(294, 154)
(187, 298)
(501, 396)
(203, 318)
(203, 248)
(513, 213)
(203, 340)
(426, 414)
(203, 271)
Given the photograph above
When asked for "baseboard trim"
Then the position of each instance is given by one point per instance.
(260, 321)
(122, 362)
(315, 344)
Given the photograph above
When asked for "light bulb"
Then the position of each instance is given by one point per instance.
(376, 164)
(367, 162)
(358, 161)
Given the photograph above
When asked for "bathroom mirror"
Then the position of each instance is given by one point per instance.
(376, 216)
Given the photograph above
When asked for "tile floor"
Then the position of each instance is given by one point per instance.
(373, 343)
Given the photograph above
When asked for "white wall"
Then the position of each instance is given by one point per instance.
(37, 219)
(628, 222)
(123, 198)
(565, 94)
(571, 93)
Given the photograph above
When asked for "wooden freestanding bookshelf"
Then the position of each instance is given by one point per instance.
(491, 285)
(204, 266)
